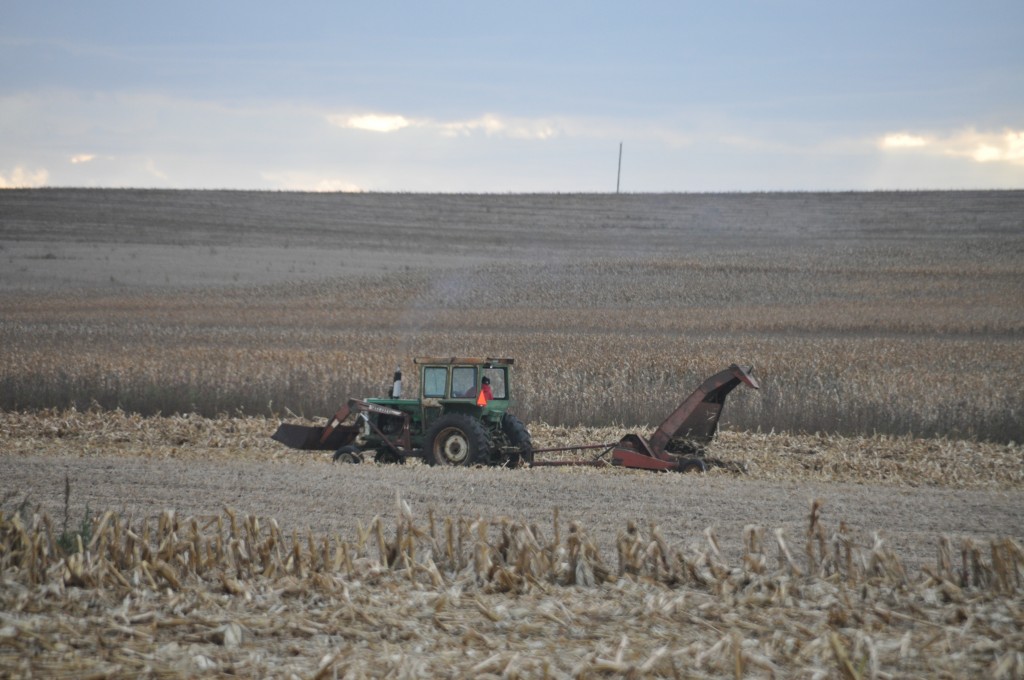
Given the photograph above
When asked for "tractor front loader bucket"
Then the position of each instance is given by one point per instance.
(311, 438)
(340, 432)
(298, 436)
(314, 438)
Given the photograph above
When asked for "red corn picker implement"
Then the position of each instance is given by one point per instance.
(677, 443)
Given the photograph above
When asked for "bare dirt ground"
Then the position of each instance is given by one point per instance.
(305, 493)
(127, 240)
(140, 467)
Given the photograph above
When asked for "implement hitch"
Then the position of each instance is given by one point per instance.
(671, 446)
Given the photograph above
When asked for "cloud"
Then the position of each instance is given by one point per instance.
(981, 147)
(902, 140)
(82, 158)
(152, 169)
(487, 124)
(298, 181)
(492, 125)
(1007, 147)
(372, 122)
(20, 178)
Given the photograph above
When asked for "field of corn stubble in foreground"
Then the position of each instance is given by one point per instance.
(867, 523)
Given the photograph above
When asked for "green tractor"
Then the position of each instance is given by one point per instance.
(460, 417)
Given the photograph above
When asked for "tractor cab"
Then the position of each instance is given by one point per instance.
(465, 384)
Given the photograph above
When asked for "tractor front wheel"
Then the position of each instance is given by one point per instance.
(456, 439)
(347, 454)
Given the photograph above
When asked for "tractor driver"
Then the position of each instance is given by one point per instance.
(485, 390)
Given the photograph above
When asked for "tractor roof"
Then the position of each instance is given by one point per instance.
(462, 360)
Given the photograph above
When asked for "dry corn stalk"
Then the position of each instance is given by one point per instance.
(735, 618)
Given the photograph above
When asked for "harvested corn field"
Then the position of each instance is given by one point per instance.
(895, 313)
(879, 459)
(171, 595)
(208, 549)
(864, 520)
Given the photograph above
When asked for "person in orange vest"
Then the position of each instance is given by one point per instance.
(485, 392)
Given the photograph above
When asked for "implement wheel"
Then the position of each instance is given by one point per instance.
(456, 439)
(692, 464)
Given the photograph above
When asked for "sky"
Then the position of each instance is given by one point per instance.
(504, 97)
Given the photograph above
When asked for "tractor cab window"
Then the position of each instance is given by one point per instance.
(435, 380)
(499, 389)
(463, 382)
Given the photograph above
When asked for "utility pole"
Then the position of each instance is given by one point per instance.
(618, 178)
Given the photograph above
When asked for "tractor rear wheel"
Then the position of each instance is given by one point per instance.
(456, 439)
(517, 436)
